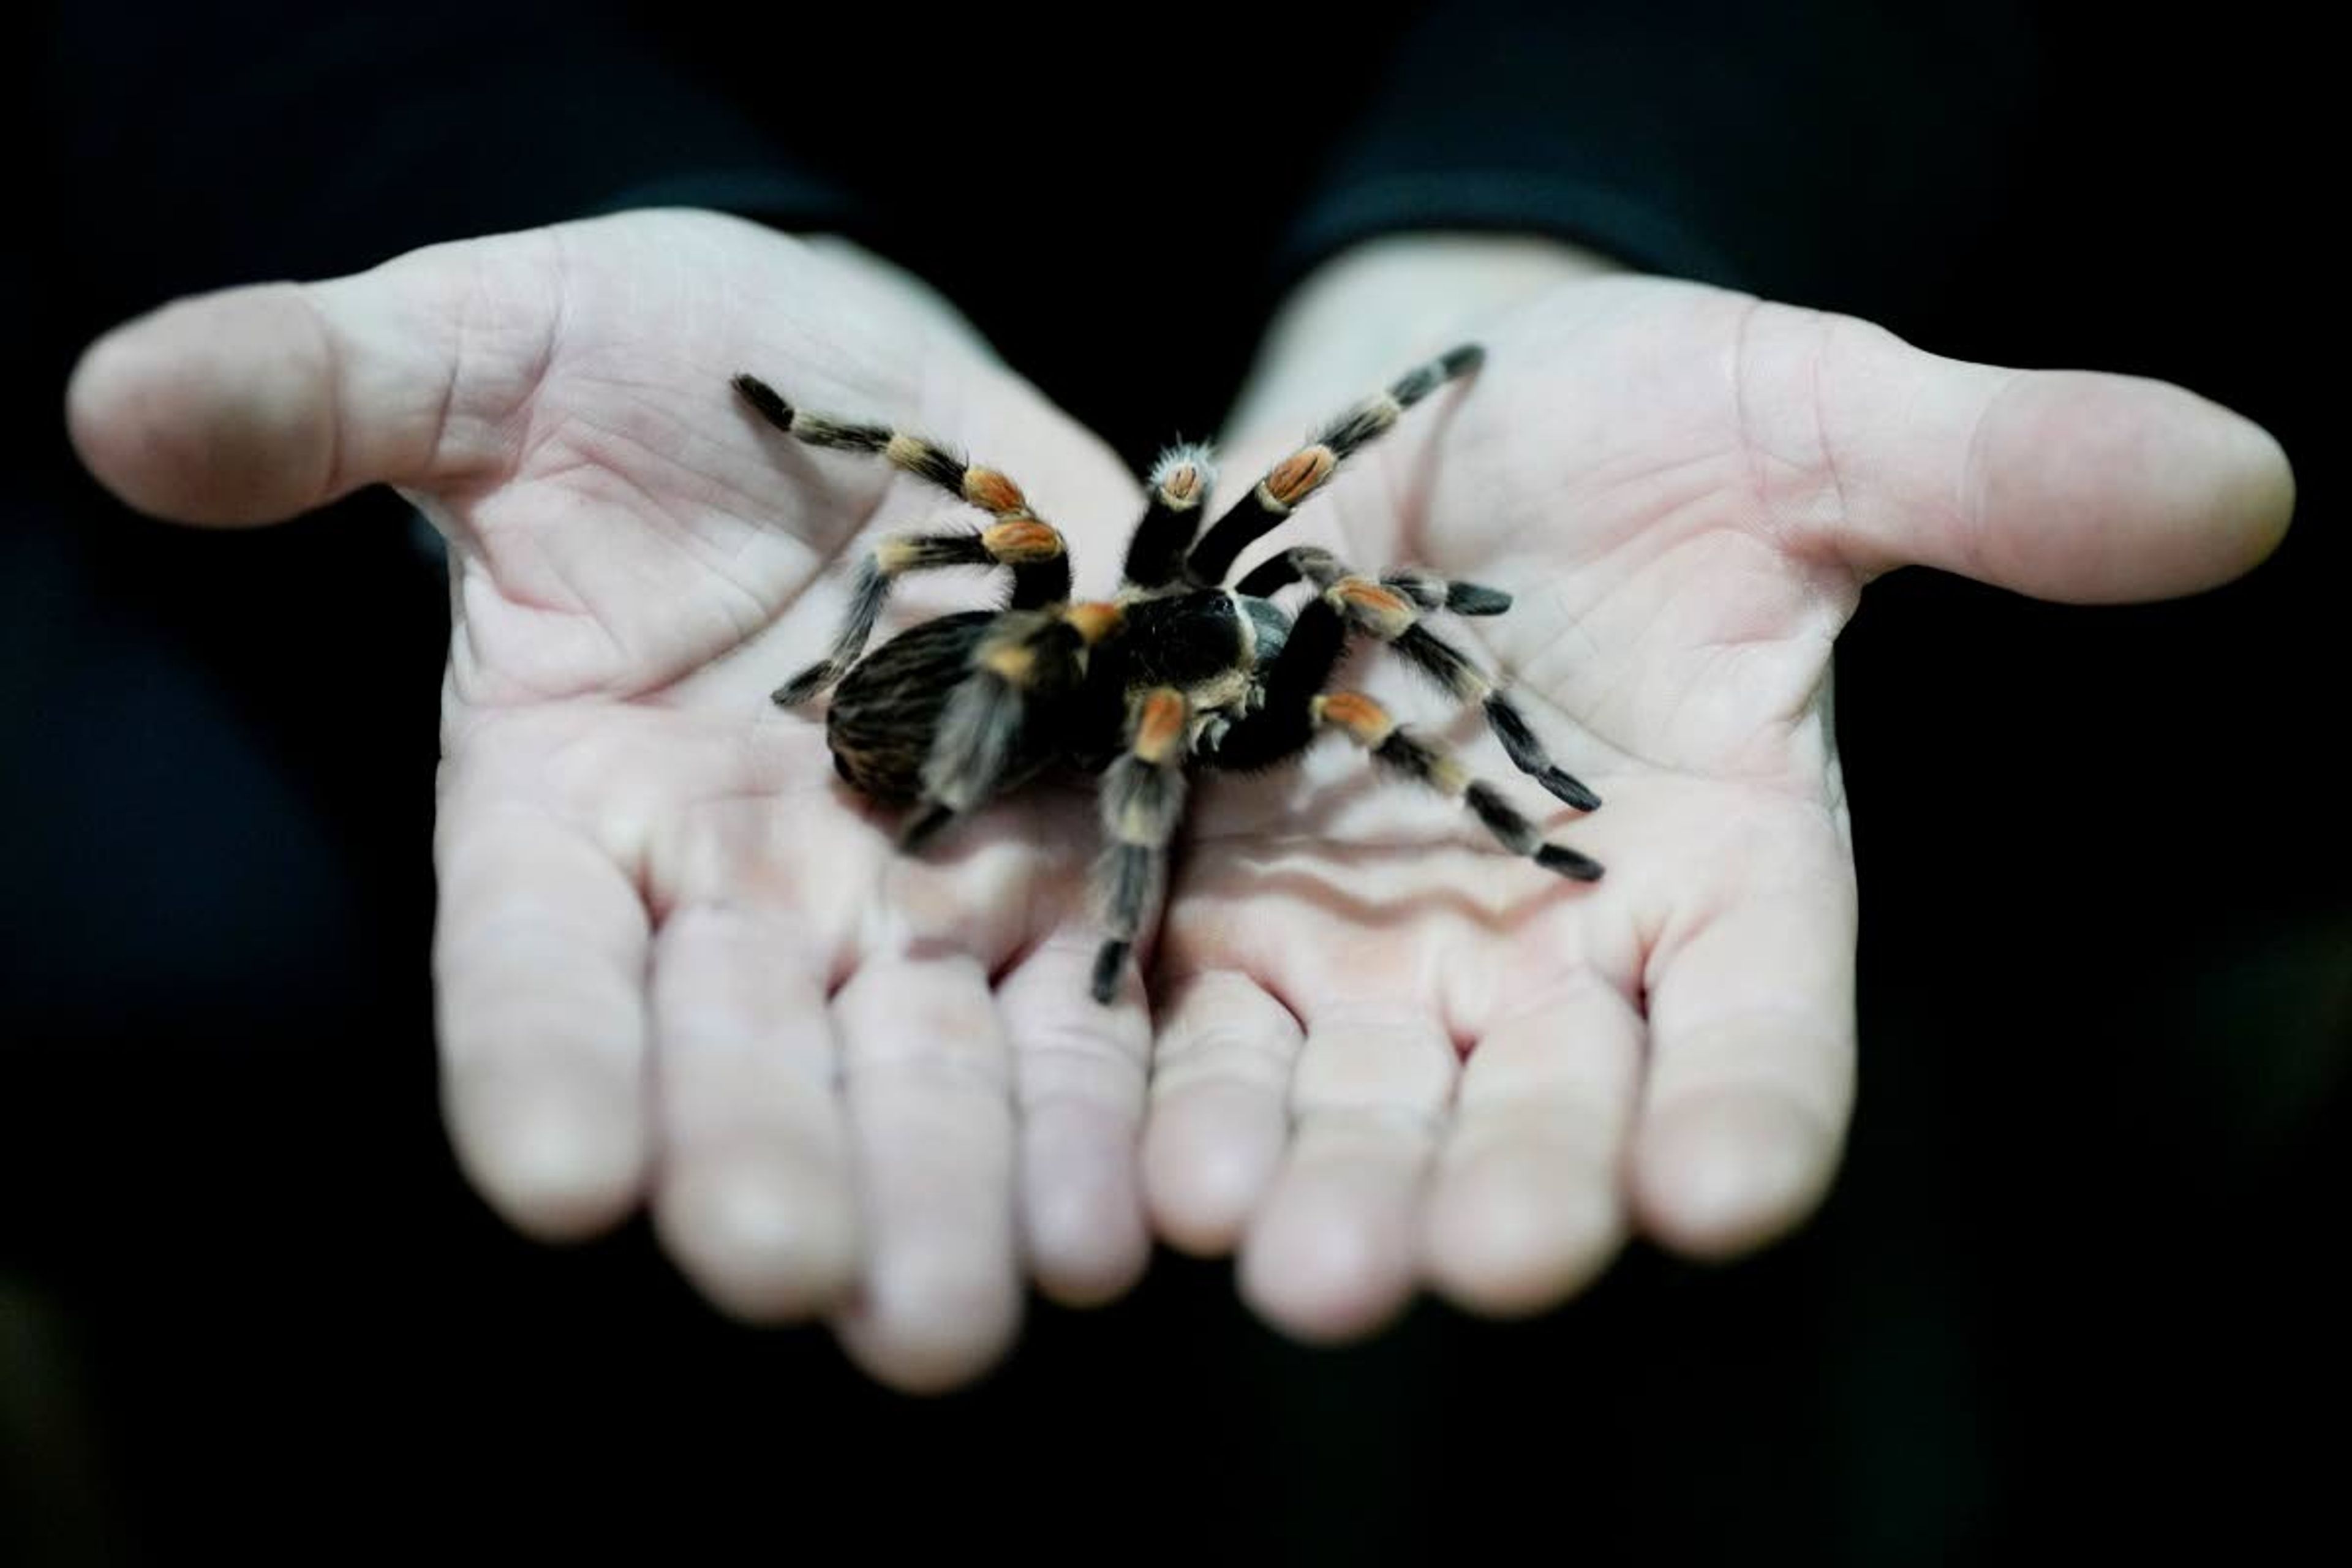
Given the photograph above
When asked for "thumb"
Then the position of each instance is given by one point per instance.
(254, 404)
(2065, 485)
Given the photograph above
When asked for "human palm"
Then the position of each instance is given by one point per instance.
(651, 882)
(678, 964)
(1389, 1053)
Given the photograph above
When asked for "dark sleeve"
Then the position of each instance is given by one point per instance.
(1823, 151)
(210, 144)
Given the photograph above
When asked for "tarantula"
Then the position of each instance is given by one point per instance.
(1176, 670)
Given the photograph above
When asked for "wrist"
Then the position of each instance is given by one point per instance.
(1379, 307)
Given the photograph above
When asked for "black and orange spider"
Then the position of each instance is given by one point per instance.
(1176, 670)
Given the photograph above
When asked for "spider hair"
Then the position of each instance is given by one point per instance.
(1175, 673)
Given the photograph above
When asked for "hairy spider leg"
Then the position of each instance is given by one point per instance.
(1301, 474)
(1142, 800)
(1425, 588)
(1180, 484)
(1432, 763)
(1024, 545)
(1390, 611)
(1016, 538)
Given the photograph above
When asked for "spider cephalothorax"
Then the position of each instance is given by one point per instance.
(1176, 670)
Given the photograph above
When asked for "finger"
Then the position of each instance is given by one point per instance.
(929, 1083)
(253, 404)
(1333, 1254)
(539, 964)
(754, 1198)
(1220, 1116)
(2070, 486)
(1528, 1204)
(1752, 1071)
(1079, 1074)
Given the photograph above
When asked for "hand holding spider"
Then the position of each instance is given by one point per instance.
(677, 964)
(1177, 673)
(1387, 1056)
(646, 901)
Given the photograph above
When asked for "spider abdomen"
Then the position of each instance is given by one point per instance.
(969, 706)
(887, 708)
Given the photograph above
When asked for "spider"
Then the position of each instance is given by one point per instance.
(1175, 671)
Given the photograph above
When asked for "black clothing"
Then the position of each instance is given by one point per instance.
(1165, 187)
(258, 1305)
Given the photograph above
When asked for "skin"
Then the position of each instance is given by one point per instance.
(678, 965)
(1388, 1058)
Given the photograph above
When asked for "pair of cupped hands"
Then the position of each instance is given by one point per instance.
(680, 965)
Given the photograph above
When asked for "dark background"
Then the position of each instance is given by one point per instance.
(2078, 1286)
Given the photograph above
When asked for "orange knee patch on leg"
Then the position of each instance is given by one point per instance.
(1383, 612)
(1365, 720)
(1095, 619)
(1160, 727)
(1296, 477)
(1020, 543)
(992, 491)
